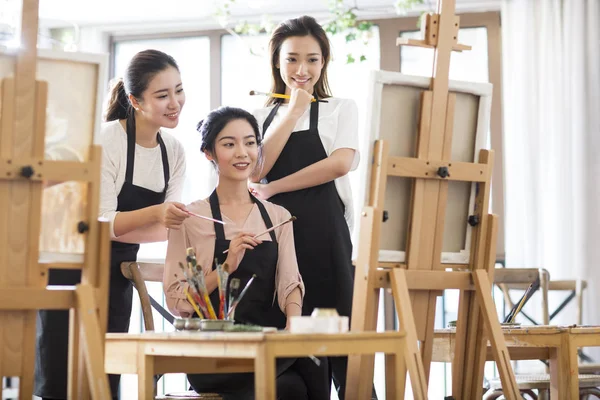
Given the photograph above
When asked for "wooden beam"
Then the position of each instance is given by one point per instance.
(46, 170)
(428, 169)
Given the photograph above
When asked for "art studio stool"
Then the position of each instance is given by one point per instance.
(588, 386)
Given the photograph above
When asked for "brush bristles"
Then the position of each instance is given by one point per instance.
(252, 93)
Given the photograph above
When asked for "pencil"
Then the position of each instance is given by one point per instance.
(270, 229)
(280, 96)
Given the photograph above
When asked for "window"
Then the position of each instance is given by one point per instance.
(469, 65)
(244, 67)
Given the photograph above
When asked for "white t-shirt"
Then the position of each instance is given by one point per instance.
(147, 169)
(338, 129)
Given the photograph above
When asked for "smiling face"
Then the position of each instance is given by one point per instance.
(163, 99)
(236, 151)
(300, 62)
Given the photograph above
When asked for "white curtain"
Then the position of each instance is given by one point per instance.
(551, 84)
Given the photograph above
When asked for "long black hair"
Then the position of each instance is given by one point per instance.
(215, 122)
(301, 26)
(140, 71)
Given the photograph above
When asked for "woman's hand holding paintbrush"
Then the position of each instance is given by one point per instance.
(171, 214)
(237, 248)
(255, 237)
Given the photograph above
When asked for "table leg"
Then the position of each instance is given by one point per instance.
(145, 370)
(564, 370)
(264, 374)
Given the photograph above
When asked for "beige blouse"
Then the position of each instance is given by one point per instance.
(200, 234)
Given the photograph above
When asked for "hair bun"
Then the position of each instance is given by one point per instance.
(199, 126)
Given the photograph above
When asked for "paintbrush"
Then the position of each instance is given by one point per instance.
(202, 290)
(531, 289)
(234, 291)
(193, 303)
(270, 229)
(280, 96)
(222, 278)
(203, 217)
(237, 301)
(193, 297)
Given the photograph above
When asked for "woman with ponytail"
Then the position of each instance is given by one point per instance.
(143, 170)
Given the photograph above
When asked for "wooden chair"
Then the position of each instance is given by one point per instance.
(140, 273)
(519, 279)
(588, 386)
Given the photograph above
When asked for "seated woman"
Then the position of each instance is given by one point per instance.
(231, 141)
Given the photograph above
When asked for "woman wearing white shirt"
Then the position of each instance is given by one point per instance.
(142, 174)
(309, 148)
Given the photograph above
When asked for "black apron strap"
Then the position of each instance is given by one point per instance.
(216, 214)
(265, 216)
(314, 115)
(270, 117)
(165, 161)
(130, 125)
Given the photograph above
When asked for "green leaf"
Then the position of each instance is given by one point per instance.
(350, 59)
(363, 58)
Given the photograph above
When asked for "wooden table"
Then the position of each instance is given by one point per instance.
(152, 353)
(553, 343)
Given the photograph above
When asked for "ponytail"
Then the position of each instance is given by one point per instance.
(118, 104)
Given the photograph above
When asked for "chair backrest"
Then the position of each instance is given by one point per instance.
(140, 273)
(520, 278)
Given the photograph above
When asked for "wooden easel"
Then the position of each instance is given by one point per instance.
(23, 278)
(422, 277)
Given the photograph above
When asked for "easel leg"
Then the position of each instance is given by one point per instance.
(471, 349)
(488, 310)
(395, 373)
(427, 343)
(27, 374)
(92, 342)
(73, 387)
(77, 383)
(407, 323)
(365, 306)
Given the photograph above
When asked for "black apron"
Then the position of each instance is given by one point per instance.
(257, 306)
(321, 234)
(53, 326)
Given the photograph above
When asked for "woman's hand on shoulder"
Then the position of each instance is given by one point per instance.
(299, 101)
(171, 214)
(237, 249)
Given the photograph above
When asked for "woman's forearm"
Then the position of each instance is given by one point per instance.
(128, 221)
(326, 170)
(293, 303)
(146, 234)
